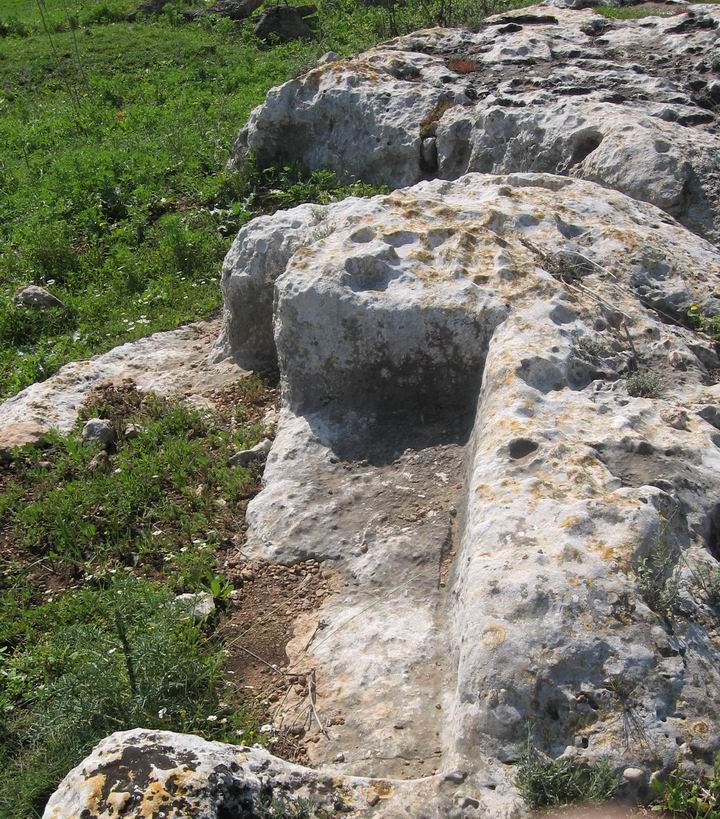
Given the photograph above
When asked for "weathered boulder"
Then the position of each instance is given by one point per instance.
(285, 23)
(99, 430)
(495, 418)
(159, 773)
(35, 296)
(459, 438)
(626, 103)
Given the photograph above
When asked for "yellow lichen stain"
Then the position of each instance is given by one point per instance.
(608, 552)
(118, 800)
(493, 635)
(699, 728)
(156, 795)
(382, 788)
(95, 788)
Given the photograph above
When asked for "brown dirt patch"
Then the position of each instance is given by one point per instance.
(264, 609)
(463, 66)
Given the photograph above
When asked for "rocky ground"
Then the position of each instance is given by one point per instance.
(490, 508)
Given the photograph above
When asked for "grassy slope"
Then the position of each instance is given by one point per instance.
(112, 188)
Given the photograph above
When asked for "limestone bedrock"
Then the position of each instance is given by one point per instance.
(171, 364)
(458, 440)
(627, 103)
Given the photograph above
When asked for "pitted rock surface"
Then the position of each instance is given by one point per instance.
(459, 443)
(631, 104)
(458, 438)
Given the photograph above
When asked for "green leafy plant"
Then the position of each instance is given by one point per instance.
(706, 324)
(157, 494)
(94, 662)
(218, 586)
(280, 807)
(685, 797)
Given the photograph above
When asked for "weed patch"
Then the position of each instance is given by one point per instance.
(685, 797)
(93, 662)
(91, 640)
(643, 384)
(545, 782)
(657, 583)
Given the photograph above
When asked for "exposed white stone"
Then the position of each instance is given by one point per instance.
(199, 605)
(627, 103)
(458, 442)
(35, 296)
(100, 430)
(248, 456)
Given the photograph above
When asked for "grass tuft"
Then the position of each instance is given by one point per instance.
(545, 782)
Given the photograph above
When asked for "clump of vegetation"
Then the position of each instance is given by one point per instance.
(657, 583)
(92, 558)
(93, 662)
(592, 346)
(687, 798)
(544, 782)
(280, 807)
(706, 324)
(633, 13)
(643, 384)
(707, 580)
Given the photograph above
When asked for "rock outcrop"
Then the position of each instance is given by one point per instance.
(459, 437)
(498, 425)
(168, 364)
(630, 104)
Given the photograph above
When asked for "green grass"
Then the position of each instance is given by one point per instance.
(90, 641)
(113, 191)
(544, 782)
(632, 13)
(93, 662)
(637, 13)
(142, 507)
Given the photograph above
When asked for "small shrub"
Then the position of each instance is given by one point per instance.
(687, 798)
(643, 384)
(94, 662)
(706, 324)
(545, 782)
(658, 589)
(592, 346)
(270, 807)
(707, 579)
